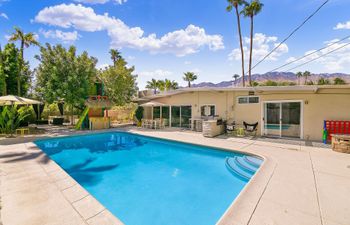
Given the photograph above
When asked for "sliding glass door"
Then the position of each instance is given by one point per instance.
(282, 119)
(180, 116)
(166, 114)
(186, 114)
(175, 116)
(291, 119)
(272, 119)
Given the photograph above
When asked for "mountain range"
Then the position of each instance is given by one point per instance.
(278, 77)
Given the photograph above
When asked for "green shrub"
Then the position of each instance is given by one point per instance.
(10, 119)
(139, 113)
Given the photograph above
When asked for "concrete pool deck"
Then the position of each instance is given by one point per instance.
(296, 185)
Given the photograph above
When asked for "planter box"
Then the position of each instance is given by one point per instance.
(341, 143)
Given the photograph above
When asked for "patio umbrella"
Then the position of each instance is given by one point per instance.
(12, 100)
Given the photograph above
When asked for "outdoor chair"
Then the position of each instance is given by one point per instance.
(146, 123)
(157, 123)
(162, 124)
(230, 128)
(251, 128)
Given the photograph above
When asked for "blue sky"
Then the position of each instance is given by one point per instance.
(164, 38)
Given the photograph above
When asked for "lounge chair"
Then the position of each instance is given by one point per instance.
(251, 128)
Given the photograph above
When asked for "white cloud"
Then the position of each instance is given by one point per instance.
(102, 66)
(100, 1)
(333, 62)
(120, 1)
(188, 62)
(4, 15)
(157, 74)
(343, 26)
(66, 37)
(131, 58)
(180, 42)
(262, 45)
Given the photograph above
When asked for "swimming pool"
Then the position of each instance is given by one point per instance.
(150, 181)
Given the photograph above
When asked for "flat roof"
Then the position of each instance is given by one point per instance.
(257, 89)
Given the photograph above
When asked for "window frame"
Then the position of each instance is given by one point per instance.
(248, 99)
(200, 108)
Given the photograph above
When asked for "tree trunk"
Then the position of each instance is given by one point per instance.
(240, 43)
(251, 49)
(189, 84)
(21, 62)
(4, 91)
(72, 114)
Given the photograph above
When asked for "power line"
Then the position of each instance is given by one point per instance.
(343, 46)
(311, 53)
(291, 34)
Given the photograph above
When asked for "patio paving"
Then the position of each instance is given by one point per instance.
(297, 184)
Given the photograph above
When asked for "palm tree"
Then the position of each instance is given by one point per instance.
(174, 85)
(306, 74)
(251, 10)
(189, 77)
(161, 85)
(235, 4)
(236, 76)
(299, 75)
(169, 85)
(26, 41)
(115, 55)
(153, 85)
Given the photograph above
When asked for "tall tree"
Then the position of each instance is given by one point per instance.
(235, 4)
(323, 81)
(251, 10)
(10, 57)
(339, 81)
(118, 80)
(168, 85)
(2, 75)
(161, 85)
(10, 66)
(115, 55)
(236, 76)
(299, 75)
(153, 85)
(190, 77)
(62, 74)
(306, 75)
(26, 40)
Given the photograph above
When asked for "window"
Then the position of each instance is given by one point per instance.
(208, 110)
(156, 112)
(248, 100)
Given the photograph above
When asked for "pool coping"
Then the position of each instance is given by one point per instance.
(93, 212)
(85, 204)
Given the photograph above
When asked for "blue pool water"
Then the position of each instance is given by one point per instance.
(149, 181)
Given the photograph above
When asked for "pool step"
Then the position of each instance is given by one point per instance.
(253, 161)
(243, 167)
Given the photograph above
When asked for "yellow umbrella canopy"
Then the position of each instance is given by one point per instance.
(16, 100)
